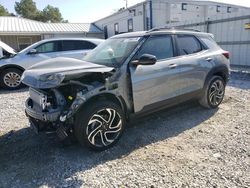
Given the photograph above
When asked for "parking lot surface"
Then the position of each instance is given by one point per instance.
(185, 146)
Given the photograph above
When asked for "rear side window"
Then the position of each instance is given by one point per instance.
(48, 47)
(209, 42)
(159, 46)
(188, 44)
(68, 45)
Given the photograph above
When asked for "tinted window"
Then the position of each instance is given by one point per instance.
(105, 32)
(188, 45)
(48, 47)
(68, 45)
(159, 46)
(88, 45)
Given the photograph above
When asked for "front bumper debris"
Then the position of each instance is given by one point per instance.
(34, 111)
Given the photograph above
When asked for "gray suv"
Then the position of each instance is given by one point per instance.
(127, 76)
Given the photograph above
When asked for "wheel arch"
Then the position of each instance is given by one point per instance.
(110, 97)
(11, 66)
(221, 71)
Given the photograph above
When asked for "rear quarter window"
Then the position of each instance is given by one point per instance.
(68, 45)
(210, 42)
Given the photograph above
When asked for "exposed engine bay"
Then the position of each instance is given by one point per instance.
(52, 107)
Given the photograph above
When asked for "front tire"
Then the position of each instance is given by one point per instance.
(10, 79)
(213, 93)
(99, 125)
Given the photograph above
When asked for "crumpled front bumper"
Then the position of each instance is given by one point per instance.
(34, 111)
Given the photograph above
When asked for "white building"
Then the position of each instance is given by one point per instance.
(158, 13)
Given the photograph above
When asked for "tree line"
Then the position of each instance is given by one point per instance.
(28, 9)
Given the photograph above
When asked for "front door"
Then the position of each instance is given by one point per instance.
(43, 52)
(155, 83)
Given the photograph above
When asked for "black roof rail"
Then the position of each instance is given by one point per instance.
(171, 28)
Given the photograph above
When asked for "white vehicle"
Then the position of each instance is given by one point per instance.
(12, 64)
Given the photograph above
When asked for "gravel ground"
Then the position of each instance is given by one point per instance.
(185, 146)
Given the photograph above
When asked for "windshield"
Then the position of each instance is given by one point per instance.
(112, 52)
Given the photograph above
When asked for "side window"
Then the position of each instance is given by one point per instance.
(159, 46)
(68, 45)
(88, 45)
(210, 42)
(130, 25)
(48, 47)
(105, 29)
(188, 44)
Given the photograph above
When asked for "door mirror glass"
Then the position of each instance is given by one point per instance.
(145, 59)
(32, 51)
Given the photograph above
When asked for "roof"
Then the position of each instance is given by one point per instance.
(14, 25)
(207, 2)
(219, 2)
(121, 11)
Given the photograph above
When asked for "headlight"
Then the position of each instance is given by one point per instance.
(57, 77)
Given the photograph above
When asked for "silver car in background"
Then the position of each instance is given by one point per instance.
(12, 64)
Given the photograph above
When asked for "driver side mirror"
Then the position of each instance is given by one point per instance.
(32, 52)
(145, 59)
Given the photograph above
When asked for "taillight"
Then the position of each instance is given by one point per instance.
(226, 54)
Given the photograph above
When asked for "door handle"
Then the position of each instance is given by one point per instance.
(172, 66)
(209, 59)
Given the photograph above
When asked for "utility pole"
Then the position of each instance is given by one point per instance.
(126, 3)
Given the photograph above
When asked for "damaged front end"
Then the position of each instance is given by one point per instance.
(58, 88)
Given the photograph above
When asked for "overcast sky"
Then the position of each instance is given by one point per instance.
(81, 11)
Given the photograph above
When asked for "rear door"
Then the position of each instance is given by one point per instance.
(193, 63)
(155, 83)
(76, 48)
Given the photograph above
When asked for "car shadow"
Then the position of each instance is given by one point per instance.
(34, 160)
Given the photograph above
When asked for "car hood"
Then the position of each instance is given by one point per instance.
(53, 72)
(7, 48)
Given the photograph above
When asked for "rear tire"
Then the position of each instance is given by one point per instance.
(213, 93)
(99, 125)
(10, 79)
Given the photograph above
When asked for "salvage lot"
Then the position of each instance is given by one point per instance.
(185, 146)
